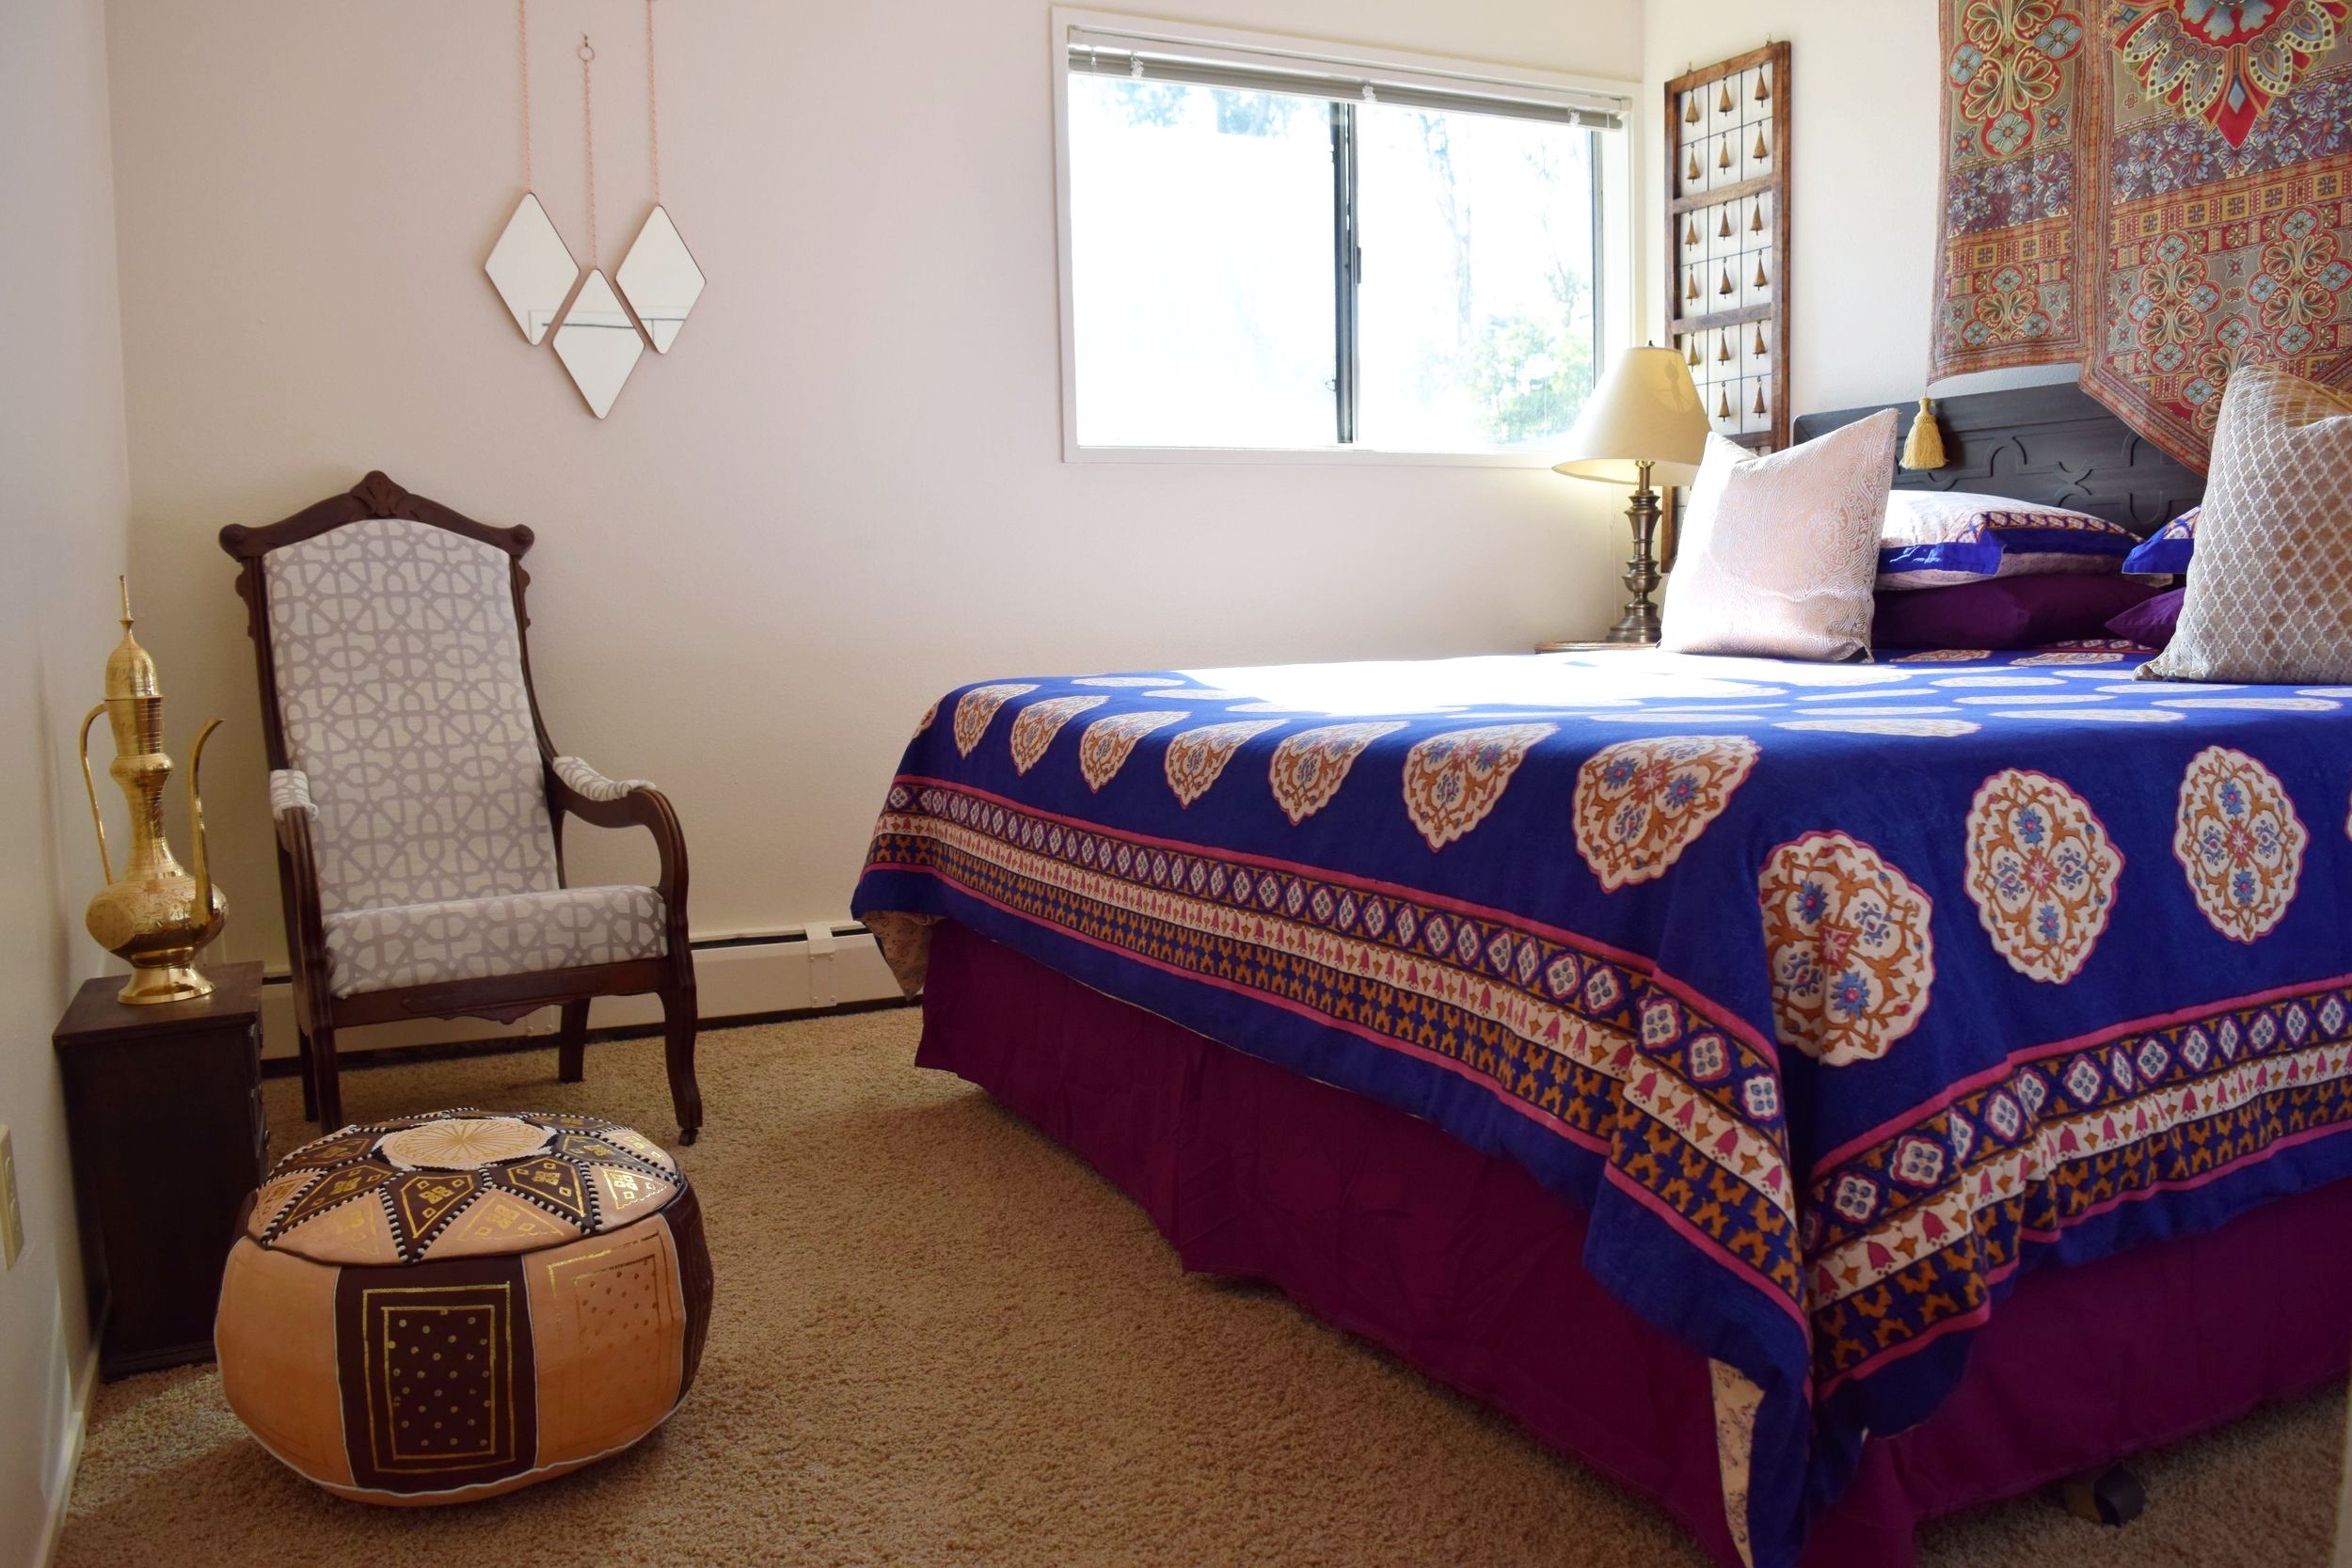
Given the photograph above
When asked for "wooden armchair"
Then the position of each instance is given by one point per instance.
(420, 804)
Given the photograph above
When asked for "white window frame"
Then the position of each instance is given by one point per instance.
(1614, 247)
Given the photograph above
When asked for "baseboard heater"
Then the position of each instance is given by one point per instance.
(827, 964)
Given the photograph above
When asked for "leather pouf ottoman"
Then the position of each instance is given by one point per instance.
(451, 1306)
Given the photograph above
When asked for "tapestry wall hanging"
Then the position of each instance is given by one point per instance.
(2160, 190)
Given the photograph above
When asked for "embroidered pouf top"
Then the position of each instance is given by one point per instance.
(459, 1183)
(446, 1306)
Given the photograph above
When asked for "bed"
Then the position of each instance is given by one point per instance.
(1821, 1097)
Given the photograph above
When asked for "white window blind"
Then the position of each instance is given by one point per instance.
(1141, 56)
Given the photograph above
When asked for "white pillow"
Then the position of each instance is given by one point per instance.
(1935, 538)
(1779, 552)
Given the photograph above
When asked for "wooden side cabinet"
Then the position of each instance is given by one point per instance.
(164, 1110)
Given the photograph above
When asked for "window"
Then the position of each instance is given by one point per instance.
(1269, 248)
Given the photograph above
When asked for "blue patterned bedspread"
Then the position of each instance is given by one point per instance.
(1839, 995)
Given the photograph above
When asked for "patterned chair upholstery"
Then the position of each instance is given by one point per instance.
(463, 939)
(408, 731)
(418, 804)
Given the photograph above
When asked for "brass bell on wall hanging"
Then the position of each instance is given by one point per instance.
(157, 916)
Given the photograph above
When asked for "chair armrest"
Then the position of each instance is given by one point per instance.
(298, 879)
(624, 804)
(290, 791)
(586, 781)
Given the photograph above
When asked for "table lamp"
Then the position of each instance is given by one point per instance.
(1644, 426)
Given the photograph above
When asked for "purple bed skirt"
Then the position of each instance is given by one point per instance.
(1457, 1262)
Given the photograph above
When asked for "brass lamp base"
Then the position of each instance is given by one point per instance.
(1640, 622)
(148, 986)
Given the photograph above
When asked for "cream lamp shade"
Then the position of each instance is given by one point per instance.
(1645, 409)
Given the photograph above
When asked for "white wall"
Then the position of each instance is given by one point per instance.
(1867, 184)
(63, 503)
(842, 493)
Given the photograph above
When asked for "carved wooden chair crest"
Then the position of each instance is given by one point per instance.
(420, 804)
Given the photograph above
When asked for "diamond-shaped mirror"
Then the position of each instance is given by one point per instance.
(599, 343)
(660, 279)
(531, 268)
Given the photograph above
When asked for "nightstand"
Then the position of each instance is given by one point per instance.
(163, 1106)
(1592, 647)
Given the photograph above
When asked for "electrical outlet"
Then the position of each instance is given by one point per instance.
(12, 1219)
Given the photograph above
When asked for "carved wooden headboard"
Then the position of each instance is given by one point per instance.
(2054, 444)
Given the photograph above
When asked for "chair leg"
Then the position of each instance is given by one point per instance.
(310, 1082)
(571, 1043)
(678, 1017)
(330, 1088)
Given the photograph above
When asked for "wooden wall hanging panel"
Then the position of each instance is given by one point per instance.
(1727, 240)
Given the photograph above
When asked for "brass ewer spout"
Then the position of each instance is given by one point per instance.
(157, 916)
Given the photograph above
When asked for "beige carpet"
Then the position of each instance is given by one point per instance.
(941, 1339)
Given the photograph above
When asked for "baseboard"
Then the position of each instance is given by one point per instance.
(750, 977)
(505, 1045)
(69, 1460)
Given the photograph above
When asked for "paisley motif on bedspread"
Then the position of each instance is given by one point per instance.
(1640, 803)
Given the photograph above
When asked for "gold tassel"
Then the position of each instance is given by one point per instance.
(1722, 405)
(1691, 357)
(1761, 151)
(1924, 447)
(1691, 289)
(1724, 102)
(1725, 286)
(1691, 114)
(1760, 397)
(1763, 93)
(1759, 339)
(1724, 232)
(1759, 272)
(1722, 349)
(1691, 233)
(1755, 218)
(1723, 157)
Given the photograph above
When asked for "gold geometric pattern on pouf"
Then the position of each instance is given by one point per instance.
(403, 1329)
(500, 1222)
(588, 1145)
(423, 1201)
(331, 1190)
(327, 1153)
(560, 1184)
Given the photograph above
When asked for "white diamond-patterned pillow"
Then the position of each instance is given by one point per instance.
(2270, 597)
(400, 689)
(1779, 552)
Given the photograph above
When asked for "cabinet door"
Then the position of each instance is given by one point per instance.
(175, 1146)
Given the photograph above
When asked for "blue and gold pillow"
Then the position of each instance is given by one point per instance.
(1933, 539)
(2167, 551)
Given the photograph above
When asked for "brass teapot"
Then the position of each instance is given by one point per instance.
(157, 916)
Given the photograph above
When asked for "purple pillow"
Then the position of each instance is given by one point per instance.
(2004, 612)
(2150, 623)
